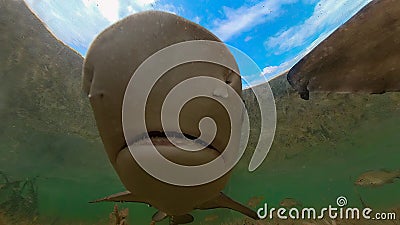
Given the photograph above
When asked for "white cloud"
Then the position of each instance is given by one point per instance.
(245, 18)
(327, 16)
(269, 70)
(130, 9)
(248, 38)
(331, 13)
(144, 3)
(178, 10)
(108, 8)
(196, 19)
(77, 22)
(74, 22)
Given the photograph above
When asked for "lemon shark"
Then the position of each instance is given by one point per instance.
(361, 56)
(111, 60)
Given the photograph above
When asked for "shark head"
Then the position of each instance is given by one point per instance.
(112, 60)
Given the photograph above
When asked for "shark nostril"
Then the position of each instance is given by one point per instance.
(228, 82)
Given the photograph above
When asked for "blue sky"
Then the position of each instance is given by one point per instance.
(274, 33)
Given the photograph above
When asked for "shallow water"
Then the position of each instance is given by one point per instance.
(72, 171)
(48, 136)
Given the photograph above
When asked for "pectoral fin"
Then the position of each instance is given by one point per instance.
(223, 201)
(159, 216)
(125, 196)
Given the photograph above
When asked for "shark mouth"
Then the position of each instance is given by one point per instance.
(160, 138)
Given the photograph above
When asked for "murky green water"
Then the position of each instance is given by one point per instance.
(72, 171)
(42, 104)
